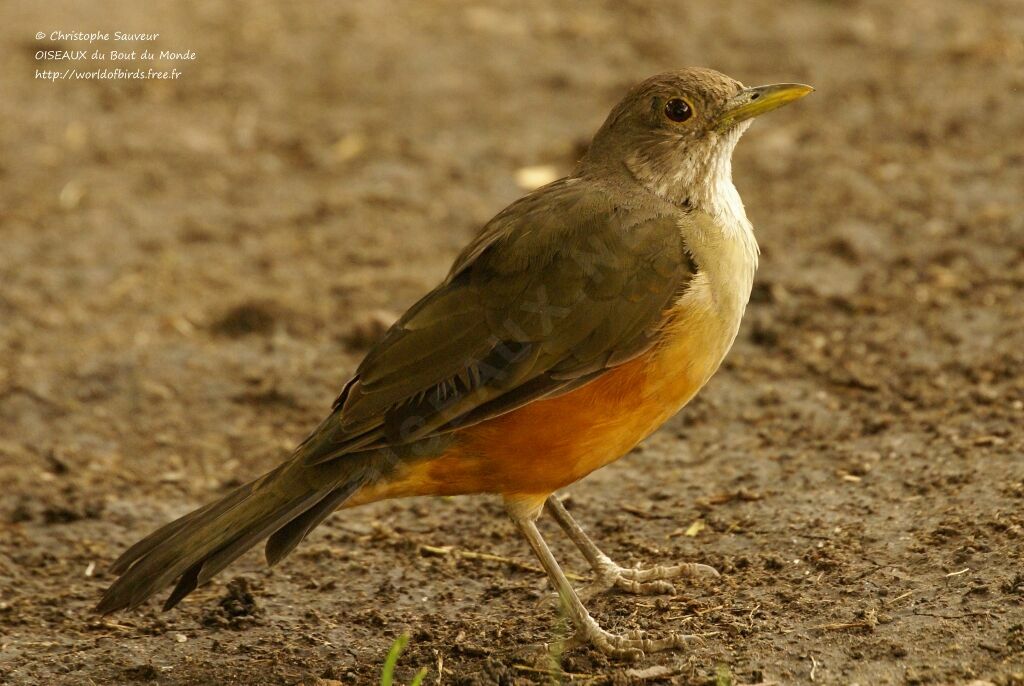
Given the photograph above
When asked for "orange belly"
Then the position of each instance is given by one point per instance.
(548, 444)
(551, 443)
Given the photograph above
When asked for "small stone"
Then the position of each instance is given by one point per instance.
(529, 178)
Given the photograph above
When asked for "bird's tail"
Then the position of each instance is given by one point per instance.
(284, 505)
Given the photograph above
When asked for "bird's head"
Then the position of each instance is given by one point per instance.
(675, 132)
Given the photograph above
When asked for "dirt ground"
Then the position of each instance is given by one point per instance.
(190, 270)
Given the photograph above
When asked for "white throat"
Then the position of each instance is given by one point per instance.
(729, 248)
(721, 240)
(714, 224)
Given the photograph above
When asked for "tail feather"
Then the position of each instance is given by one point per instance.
(209, 565)
(164, 533)
(284, 540)
(291, 499)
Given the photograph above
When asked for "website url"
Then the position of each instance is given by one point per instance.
(116, 73)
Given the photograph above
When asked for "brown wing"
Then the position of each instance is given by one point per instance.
(561, 286)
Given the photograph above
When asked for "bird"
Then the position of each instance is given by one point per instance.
(576, 322)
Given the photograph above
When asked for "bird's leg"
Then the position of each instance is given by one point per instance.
(649, 581)
(629, 646)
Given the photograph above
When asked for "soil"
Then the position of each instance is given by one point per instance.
(191, 269)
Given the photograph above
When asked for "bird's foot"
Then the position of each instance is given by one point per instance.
(630, 646)
(647, 581)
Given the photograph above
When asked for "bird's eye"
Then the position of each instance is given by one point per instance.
(678, 110)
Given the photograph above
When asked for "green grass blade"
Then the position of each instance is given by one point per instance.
(420, 676)
(387, 672)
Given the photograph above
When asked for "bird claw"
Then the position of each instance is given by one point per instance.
(630, 646)
(648, 581)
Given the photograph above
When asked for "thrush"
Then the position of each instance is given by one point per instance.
(578, 320)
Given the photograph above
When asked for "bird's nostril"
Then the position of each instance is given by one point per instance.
(755, 96)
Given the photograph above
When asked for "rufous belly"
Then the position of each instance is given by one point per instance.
(548, 444)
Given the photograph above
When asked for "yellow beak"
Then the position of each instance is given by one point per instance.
(751, 102)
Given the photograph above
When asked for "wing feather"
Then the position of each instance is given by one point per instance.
(561, 286)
